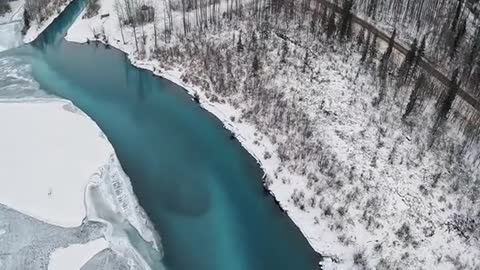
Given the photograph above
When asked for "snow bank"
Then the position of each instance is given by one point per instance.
(49, 153)
(37, 28)
(75, 256)
(11, 25)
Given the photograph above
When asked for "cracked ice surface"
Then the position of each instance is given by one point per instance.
(26, 243)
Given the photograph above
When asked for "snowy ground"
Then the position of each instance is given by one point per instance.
(362, 185)
(26, 243)
(37, 28)
(75, 256)
(50, 154)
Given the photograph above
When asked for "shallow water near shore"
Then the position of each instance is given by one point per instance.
(202, 190)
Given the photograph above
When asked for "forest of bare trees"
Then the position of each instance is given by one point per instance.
(4, 7)
(40, 10)
(454, 47)
(451, 29)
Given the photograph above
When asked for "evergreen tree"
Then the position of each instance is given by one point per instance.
(372, 9)
(305, 62)
(408, 62)
(457, 15)
(325, 18)
(420, 53)
(383, 69)
(361, 38)
(256, 65)
(283, 58)
(346, 20)
(239, 43)
(446, 104)
(458, 37)
(313, 24)
(373, 48)
(253, 42)
(26, 21)
(365, 49)
(414, 95)
(475, 48)
(331, 27)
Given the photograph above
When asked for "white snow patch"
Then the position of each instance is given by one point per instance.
(48, 156)
(75, 256)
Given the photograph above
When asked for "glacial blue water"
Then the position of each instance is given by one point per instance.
(202, 190)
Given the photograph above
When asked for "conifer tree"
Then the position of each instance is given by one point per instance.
(383, 69)
(420, 53)
(474, 52)
(365, 49)
(414, 95)
(447, 102)
(361, 38)
(239, 43)
(331, 27)
(408, 62)
(457, 15)
(458, 38)
(253, 42)
(256, 65)
(373, 48)
(346, 20)
(283, 58)
(305, 62)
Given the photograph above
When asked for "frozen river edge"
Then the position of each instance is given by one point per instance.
(73, 178)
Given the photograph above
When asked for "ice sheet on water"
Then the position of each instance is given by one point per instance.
(110, 260)
(26, 243)
(105, 205)
(16, 78)
(11, 36)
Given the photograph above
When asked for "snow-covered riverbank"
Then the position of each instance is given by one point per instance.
(37, 27)
(51, 152)
(357, 191)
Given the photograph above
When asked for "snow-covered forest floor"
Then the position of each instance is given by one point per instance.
(450, 28)
(50, 10)
(15, 12)
(368, 188)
